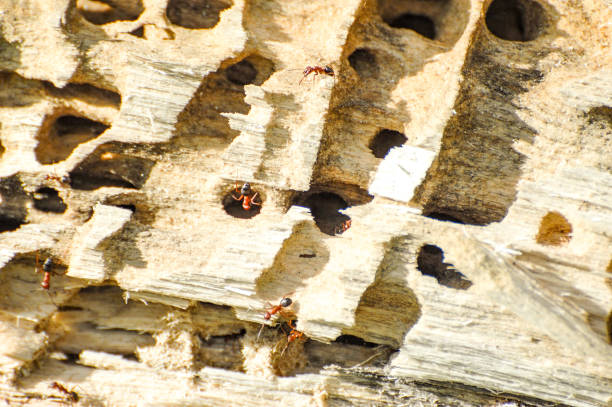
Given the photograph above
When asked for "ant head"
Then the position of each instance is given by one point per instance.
(246, 188)
(329, 71)
(48, 264)
(285, 302)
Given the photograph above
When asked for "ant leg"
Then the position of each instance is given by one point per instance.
(286, 337)
(285, 348)
(259, 333)
(253, 200)
(237, 199)
(237, 188)
(286, 314)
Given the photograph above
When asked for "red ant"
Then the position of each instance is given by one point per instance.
(245, 196)
(293, 335)
(64, 180)
(318, 70)
(343, 227)
(276, 309)
(47, 270)
(284, 303)
(72, 395)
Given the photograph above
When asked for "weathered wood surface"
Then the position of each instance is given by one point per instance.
(468, 142)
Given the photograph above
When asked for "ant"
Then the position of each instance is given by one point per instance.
(278, 309)
(343, 227)
(72, 395)
(318, 70)
(293, 335)
(245, 196)
(64, 180)
(47, 270)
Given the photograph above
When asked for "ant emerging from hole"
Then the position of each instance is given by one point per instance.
(279, 309)
(293, 335)
(71, 394)
(245, 196)
(317, 70)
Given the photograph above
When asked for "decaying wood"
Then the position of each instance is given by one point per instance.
(439, 211)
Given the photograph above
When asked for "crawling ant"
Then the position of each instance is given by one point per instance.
(245, 196)
(293, 335)
(277, 309)
(317, 70)
(71, 394)
(64, 180)
(343, 227)
(47, 270)
(284, 303)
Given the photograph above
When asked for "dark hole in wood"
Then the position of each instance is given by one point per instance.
(430, 263)
(93, 94)
(111, 169)
(196, 13)
(13, 200)
(384, 141)
(48, 200)
(127, 206)
(68, 124)
(139, 32)
(324, 207)
(601, 114)
(355, 340)
(515, 20)
(71, 358)
(234, 207)
(419, 23)
(241, 73)
(8, 224)
(363, 61)
(64, 135)
(101, 12)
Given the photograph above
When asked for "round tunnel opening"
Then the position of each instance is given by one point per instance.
(325, 207)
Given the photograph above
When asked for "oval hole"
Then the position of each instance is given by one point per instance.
(515, 20)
